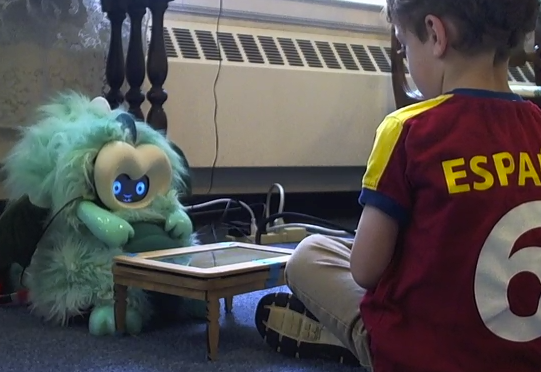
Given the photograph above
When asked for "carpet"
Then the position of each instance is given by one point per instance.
(31, 346)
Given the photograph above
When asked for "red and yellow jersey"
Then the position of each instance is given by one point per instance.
(462, 174)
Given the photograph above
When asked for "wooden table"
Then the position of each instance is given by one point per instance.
(215, 271)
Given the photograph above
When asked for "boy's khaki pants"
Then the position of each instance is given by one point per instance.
(318, 274)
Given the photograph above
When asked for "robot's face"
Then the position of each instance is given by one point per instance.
(130, 177)
(127, 190)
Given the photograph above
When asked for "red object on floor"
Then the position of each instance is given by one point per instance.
(23, 296)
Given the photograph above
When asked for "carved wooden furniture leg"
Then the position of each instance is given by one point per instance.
(135, 60)
(157, 67)
(537, 60)
(121, 305)
(213, 326)
(403, 94)
(115, 69)
(228, 304)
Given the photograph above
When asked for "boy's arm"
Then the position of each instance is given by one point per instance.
(373, 247)
(386, 197)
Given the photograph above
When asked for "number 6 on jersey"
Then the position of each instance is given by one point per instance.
(496, 268)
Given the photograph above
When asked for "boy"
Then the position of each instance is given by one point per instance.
(447, 257)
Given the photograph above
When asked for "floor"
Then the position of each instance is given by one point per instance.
(30, 346)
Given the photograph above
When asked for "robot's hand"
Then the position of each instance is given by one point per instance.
(110, 229)
(179, 225)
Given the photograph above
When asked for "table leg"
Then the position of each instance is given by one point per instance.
(121, 304)
(228, 304)
(213, 326)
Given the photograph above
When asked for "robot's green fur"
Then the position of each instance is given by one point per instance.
(55, 164)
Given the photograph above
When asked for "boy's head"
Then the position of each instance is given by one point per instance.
(445, 38)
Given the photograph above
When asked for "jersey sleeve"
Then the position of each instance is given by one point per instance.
(385, 183)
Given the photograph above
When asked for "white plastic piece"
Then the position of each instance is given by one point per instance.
(101, 104)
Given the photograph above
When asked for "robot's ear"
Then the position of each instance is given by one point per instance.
(127, 121)
(21, 227)
(101, 105)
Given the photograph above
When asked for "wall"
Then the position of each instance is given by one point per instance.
(330, 14)
(336, 18)
(345, 19)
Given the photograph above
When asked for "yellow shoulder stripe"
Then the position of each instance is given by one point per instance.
(387, 136)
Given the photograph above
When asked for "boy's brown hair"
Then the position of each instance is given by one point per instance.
(481, 25)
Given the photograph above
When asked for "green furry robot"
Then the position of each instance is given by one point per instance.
(87, 183)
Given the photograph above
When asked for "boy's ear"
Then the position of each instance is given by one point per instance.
(437, 35)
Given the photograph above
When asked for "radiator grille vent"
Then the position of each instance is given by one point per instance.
(271, 50)
(229, 45)
(280, 51)
(328, 55)
(344, 53)
(290, 51)
(170, 47)
(208, 45)
(186, 44)
(250, 48)
(363, 57)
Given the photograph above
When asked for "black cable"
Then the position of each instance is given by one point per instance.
(241, 231)
(239, 207)
(222, 220)
(224, 212)
(215, 115)
(239, 223)
(215, 236)
(227, 206)
(238, 229)
(262, 226)
(6, 299)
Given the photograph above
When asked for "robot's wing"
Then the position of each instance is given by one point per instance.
(21, 227)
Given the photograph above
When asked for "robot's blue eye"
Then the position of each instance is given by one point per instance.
(140, 188)
(117, 187)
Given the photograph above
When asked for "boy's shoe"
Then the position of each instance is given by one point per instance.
(289, 328)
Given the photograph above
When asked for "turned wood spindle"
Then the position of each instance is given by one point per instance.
(115, 69)
(537, 54)
(157, 67)
(135, 60)
(403, 94)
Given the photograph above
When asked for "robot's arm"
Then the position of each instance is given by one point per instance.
(179, 225)
(110, 229)
(177, 222)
